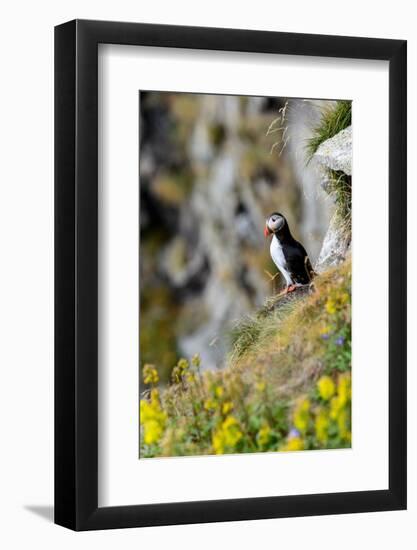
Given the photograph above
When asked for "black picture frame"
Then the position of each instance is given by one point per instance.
(76, 272)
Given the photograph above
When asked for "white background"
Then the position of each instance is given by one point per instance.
(26, 301)
(123, 479)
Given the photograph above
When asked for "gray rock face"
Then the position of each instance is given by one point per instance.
(336, 245)
(336, 152)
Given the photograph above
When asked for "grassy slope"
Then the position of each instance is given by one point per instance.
(286, 385)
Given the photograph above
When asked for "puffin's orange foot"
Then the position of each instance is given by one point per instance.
(287, 289)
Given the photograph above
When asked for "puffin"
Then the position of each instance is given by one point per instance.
(288, 255)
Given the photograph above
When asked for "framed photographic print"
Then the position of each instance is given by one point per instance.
(230, 248)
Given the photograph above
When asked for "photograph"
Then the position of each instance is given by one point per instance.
(244, 274)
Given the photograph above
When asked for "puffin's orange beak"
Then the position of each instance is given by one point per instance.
(267, 231)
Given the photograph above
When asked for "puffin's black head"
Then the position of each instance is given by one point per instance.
(274, 223)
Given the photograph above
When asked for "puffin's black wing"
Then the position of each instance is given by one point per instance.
(298, 262)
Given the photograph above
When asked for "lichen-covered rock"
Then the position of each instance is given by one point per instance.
(336, 246)
(336, 153)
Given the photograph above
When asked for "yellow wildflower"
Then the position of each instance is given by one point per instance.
(260, 386)
(176, 375)
(322, 425)
(335, 406)
(264, 435)
(331, 306)
(344, 389)
(227, 435)
(179, 370)
(153, 432)
(340, 406)
(183, 365)
(190, 377)
(219, 391)
(326, 387)
(301, 415)
(150, 374)
(196, 360)
(342, 420)
(217, 442)
(293, 443)
(152, 418)
(210, 405)
(232, 431)
(227, 407)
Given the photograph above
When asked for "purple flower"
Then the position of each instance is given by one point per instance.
(339, 341)
(294, 433)
(325, 336)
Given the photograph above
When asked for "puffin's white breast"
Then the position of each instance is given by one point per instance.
(278, 258)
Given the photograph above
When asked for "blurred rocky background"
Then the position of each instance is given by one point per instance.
(212, 167)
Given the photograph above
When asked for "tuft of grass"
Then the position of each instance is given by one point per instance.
(339, 186)
(246, 333)
(333, 120)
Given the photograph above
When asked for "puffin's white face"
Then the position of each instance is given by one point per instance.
(274, 223)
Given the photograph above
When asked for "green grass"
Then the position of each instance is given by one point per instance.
(333, 120)
(246, 333)
(340, 188)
